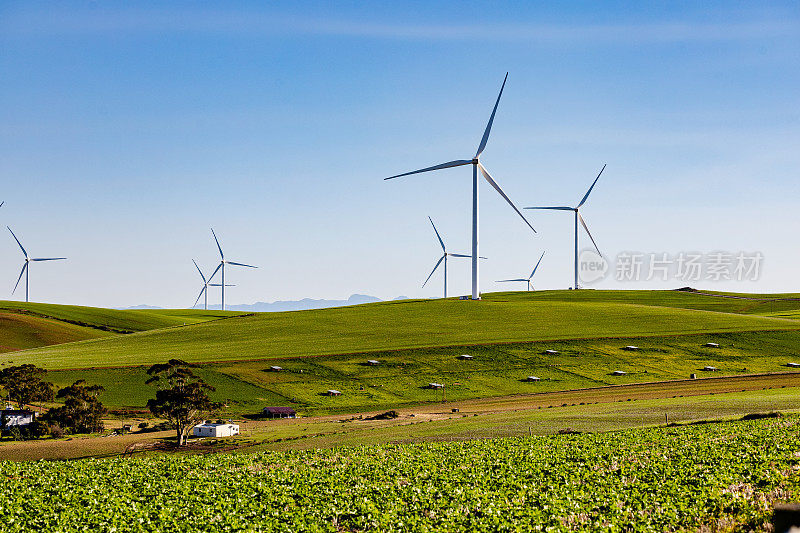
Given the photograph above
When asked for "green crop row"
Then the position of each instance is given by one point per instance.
(715, 475)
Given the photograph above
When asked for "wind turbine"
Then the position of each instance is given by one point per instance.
(444, 257)
(222, 263)
(206, 284)
(528, 279)
(476, 165)
(578, 217)
(28, 260)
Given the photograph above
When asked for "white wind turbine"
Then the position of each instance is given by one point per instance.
(476, 164)
(222, 263)
(445, 255)
(528, 279)
(206, 284)
(578, 217)
(25, 270)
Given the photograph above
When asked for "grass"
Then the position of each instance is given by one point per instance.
(594, 410)
(497, 370)
(500, 317)
(479, 422)
(31, 325)
(114, 320)
(22, 332)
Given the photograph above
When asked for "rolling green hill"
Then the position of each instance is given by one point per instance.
(417, 342)
(31, 325)
(500, 317)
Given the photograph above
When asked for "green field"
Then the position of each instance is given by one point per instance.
(417, 342)
(496, 370)
(31, 325)
(703, 477)
(500, 317)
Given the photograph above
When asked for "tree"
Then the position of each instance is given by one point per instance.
(24, 384)
(82, 412)
(182, 397)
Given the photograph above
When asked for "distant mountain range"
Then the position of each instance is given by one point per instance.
(289, 305)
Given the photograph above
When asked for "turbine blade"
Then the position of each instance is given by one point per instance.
(198, 296)
(505, 280)
(48, 258)
(583, 223)
(499, 190)
(457, 163)
(220, 285)
(459, 255)
(20, 244)
(559, 208)
(217, 241)
(20, 277)
(240, 264)
(1, 203)
(437, 235)
(214, 273)
(592, 187)
(537, 266)
(439, 262)
(488, 129)
(201, 273)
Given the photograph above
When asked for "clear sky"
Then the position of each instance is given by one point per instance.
(127, 130)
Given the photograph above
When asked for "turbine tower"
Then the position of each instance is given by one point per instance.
(221, 266)
(476, 165)
(206, 284)
(578, 217)
(444, 257)
(528, 279)
(25, 270)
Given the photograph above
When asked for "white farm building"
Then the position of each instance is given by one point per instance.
(208, 429)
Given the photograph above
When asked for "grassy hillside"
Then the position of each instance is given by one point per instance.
(496, 370)
(22, 331)
(501, 317)
(115, 320)
(32, 325)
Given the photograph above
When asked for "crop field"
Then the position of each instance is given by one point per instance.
(496, 370)
(500, 317)
(713, 476)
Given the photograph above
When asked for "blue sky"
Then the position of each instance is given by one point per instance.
(129, 129)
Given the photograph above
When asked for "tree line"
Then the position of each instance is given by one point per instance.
(181, 399)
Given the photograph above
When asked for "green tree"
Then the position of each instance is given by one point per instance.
(182, 397)
(23, 384)
(82, 412)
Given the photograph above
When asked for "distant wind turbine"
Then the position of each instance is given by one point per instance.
(206, 284)
(221, 266)
(445, 255)
(476, 165)
(528, 279)
(578, 217)
(25, 269)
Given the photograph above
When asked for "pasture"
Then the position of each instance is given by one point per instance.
(499, 318)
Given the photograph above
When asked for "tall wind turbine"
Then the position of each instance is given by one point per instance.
(222, 263)
(25, 269)
(476, 165)
(578, 217)
(528, 279)
(445, 255)
(206, 284)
